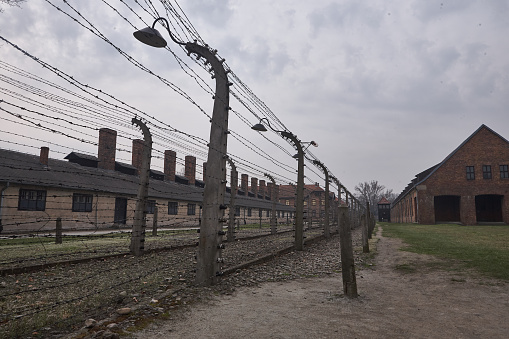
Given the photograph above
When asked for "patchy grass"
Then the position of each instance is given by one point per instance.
(484, 248)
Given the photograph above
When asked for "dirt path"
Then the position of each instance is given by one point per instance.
(401, 298)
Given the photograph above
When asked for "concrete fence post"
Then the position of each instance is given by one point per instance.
(347, 258)
(137, 245)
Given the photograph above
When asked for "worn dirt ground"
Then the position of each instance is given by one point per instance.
(405, 296)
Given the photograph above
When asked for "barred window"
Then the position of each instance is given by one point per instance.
(150, 207)
(191, 209)
(249, 212)
(173, 208)
(504, 172)
(82, 202)
(486, 171)
(32, 200)
(470, 173)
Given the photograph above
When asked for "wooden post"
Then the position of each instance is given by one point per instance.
(365, 227)
(371, 221)
(154, 222)
(347, 258)
(58, 231)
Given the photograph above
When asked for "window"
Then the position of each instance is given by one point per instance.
(278, 214)
(323, 202)
(287, 202)
(249, 212)
(82, 202)
(486, 171)
(237, 211)
(305, 203)
(470, 173)
(173, 208)
(268, 213)
(313, 202)
(32, 200)
(504, 172)
(260, 211)
(150, 207)
(191, 209)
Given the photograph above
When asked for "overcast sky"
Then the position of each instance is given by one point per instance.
(386, 88)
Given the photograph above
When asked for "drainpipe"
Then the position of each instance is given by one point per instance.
(2, 204)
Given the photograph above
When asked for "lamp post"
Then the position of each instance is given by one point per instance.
(299, 208)
(209, 246)
(326, 230)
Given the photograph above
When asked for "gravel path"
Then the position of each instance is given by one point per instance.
(393, 303)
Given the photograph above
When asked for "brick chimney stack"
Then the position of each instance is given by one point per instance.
(254, 186)
(190, 169)
(244, 183)
(269, 190)
(261, 188)
(170, 163)
(137, 156)
(107, 149)
(43, 158)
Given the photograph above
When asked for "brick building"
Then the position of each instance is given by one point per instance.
(89, 192)
(314, 199)
(470, 186)
(384, 210)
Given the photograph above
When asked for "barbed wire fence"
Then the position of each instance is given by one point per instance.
(48, 286)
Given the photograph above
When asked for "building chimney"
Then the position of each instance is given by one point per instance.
(190, 169)
(254, 186)
(204, 170)
(244, 183)
(107, 148)
(170, 163)
(261, 188)
(270, 190)
(43, 158)
(137, 156)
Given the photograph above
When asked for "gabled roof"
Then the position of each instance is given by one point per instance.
(423, 176)
(383, 201)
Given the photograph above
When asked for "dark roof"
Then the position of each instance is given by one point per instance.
(25, 169)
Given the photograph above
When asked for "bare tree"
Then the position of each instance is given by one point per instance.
(372, 192)
(11, 3)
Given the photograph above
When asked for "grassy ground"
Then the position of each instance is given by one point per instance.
(484, 248)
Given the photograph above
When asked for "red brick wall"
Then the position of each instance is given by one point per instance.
(483, 148)
(170, 162)
(107, 148)
(190, 169)
(137, 156)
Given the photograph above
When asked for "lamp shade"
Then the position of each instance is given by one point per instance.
(151, 37)
(259, 128)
